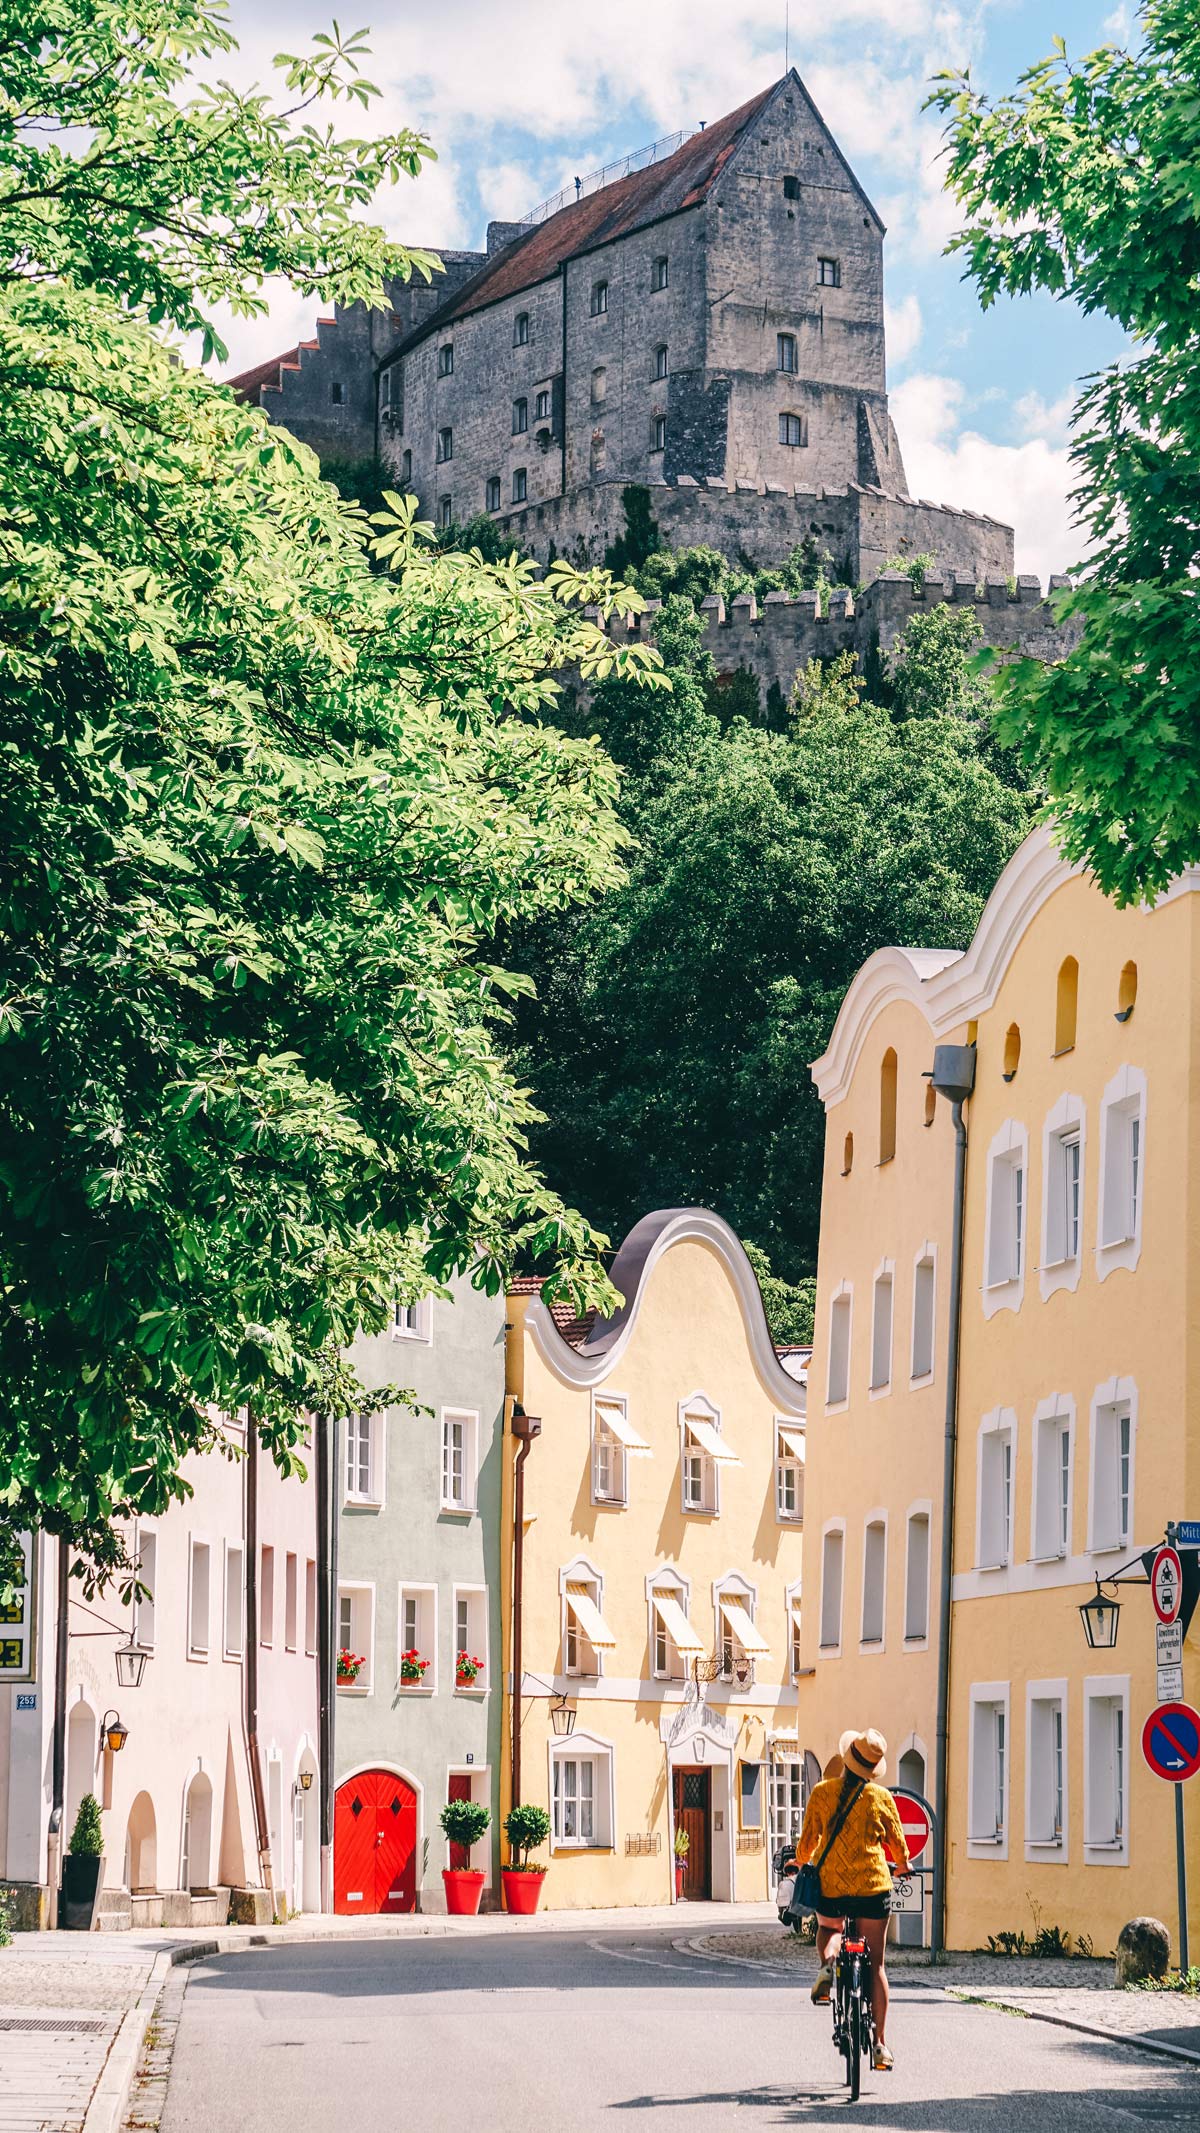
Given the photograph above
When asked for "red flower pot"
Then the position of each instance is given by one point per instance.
(464, 1887)
(680, 1871)
(522, 1892)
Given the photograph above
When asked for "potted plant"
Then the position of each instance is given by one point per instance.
(467, 1669)
(413, 1669)
(81, 1867)
(524, 1827)
(683, 1845)
(349, 1667)
(464, 1822)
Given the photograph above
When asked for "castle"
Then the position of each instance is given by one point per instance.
(707, 322)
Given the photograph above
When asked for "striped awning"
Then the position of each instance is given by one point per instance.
(710, 1440)
(618, 1425)
(792, 1441)
(674, 1620)
(590, 1619)
(738, 1622)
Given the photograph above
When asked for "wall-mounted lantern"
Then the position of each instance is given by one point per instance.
(113, 1735)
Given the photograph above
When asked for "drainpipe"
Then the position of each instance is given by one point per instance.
(524, 1428)
(324, 1661)
(261, 1823)
(58, 1750)
(953, 1077)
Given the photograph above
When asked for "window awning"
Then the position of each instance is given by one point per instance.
(738, 1621)
(590, 1619)
(711, 1441)
(619, 1426)
(794, 1611)
(792, 1441)
(671, 1614)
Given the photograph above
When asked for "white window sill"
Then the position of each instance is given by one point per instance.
(610, 1503)
(418, 1688)
(458, 1510)
(362, 1503)
(925, 1378)
(1047, 1853)
(234, 1658)
(829, 1651)
(1117, 1547)
(1112, 1854)
(1044, 1562)
(837, 1407)
(789, 1518)
(354, 1688)
(870, 1644)
(199, 1658)
(470, 1688)
(698, 1511)
(995, 1846)
(879, 1392)
(917, 1644)
(990, 1568)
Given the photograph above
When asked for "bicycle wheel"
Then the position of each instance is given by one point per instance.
(854, 2028)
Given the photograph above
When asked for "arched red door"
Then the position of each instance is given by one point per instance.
(374, 1845)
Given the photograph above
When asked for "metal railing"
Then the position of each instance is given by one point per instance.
(640, 159)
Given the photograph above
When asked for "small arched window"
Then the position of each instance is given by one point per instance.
(887, 1106)
(930, 1103)
(1066, 1006)
(847, 1155)
(1012, 1051)
(406, 467)
(1127, 992)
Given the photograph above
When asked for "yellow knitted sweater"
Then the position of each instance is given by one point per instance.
(856, 1865)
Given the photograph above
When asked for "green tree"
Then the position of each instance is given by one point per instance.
(789, 1305)
(1082, 182)
(263, 805)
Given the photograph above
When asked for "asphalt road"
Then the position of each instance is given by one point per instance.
(579, 2032)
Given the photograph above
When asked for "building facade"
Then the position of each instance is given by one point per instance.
(1076, 1433)
(657, 1544)
(418, 1594)
(182, 1832)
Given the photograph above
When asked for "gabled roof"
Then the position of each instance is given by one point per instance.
(683, 180)
(268, 376)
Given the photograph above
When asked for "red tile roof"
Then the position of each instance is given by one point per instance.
(249, 383)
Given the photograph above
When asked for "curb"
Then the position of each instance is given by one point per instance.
(110, 2097)
(969, 1998)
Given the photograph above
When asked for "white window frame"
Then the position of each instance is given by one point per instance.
(1006, 1231)
(476, 1597)
(836, 1401)
(883, 1286)
(143, 1613)
(606, 1446)
(413, 1321)
(1054, 1427)
(733, 1586)
(914, 1641)
(426, 1643)
(999, 1422)
(785, 343)
(375, 1428)
(291, 1600)
(586, 1747)
(793, 1605)
(788, 1467)
(233, 1647)
(1064, 1186)
(693, 1458)
(825, 1648)
(201, 1651)
(467, 1505)
(1108, 1400)
(361, 1594)
(925, 1257)
(573, 1655)
(877, 1519)
(995, 1697)
(1112, 1690)
(266, 1594)
(1046, 1714)
(1124, 1100)
(310, 1606)
(671, 1580)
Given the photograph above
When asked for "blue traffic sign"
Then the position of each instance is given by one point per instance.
(1187, 1532)
(1171, 1741)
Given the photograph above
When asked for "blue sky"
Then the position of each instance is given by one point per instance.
(519, 97)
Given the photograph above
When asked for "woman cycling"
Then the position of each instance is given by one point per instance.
(855, 1878)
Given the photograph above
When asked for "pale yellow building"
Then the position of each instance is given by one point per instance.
(659, 1570)
(1076, 1431)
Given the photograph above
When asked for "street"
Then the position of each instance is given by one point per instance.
(563, 2031)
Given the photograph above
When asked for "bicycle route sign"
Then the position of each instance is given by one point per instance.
(1166, 1584)
(908, 1894)
(916, 1821)
(1171, 1742)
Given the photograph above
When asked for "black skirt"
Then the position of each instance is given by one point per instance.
(879, 1906)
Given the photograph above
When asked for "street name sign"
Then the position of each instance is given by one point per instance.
(1171, 1742)
(915, 1820)
(1166, 1584)
(1187, 1532)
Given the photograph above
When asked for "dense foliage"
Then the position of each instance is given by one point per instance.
(1084, 182)
(263, 804)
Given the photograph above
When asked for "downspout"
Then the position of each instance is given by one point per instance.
(261, 1824)
(524, 1428)
(55, 1838)
(953, 1077)
(324, 1661)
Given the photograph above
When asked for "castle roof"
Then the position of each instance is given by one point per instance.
(268, 376)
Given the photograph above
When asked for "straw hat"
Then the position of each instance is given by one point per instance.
(864, 1754)
(834, 1768)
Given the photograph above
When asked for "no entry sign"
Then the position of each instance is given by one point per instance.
(915, 1820)
(1166, 1584)
(1171, 1741)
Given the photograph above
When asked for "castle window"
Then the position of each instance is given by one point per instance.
(446, 360)
(599, 298)
(385, 389)
(785, 351)
(445, 445)
(519, 485)
(658, 433)
(335, 392)
(791, 188)
(660, 362)
(541, 408)
(599, 385)
(406, 467)
(599, 452)
(521, 330)
(520, 417)
(658, 274)
(829, 273)
(445, 511)
(793, 429)
(491, 493)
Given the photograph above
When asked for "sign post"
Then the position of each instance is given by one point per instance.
(1171, 1746)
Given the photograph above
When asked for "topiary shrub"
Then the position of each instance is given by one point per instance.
(525, 1827)
(87, 1837)
(464, 1821)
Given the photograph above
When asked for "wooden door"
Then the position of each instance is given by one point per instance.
(374, 1845)
(395, 1845)
(693, 1797)
(459, 1788)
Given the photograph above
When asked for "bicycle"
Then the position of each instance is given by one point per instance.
(853, 2011)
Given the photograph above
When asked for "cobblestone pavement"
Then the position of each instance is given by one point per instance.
(1079, 1993)
(62, 2000)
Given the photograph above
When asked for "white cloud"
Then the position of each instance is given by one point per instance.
(903, 326)
(1117, 25)
(1050, 419)
(1024, 484)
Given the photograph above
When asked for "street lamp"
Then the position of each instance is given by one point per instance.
(1100, 1617)
(305, 1780)
(131, 1665)
(113, 1734)
(561, 1718)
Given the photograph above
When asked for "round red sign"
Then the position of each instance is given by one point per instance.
(1166, 1584)
(915, 1820)
(1171, 1742)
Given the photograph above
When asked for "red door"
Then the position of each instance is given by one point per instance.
(374, 1845)
(459, 1788)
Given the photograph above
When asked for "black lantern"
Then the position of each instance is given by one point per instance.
(131, 1665)
(305, 1780)
(1100, 1617)
(562, 1718)
(113, 1734)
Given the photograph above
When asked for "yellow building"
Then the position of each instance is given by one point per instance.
(1076, 1441)
(660, 1455)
